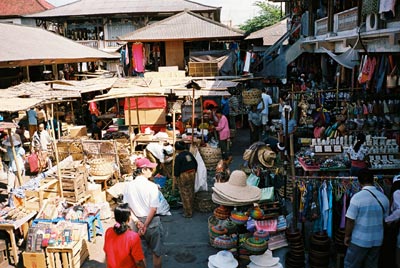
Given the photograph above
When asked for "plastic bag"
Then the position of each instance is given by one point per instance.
(163, 209)
(201, 174)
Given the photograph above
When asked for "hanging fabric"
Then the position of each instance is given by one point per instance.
(126, 55)
(138, 57)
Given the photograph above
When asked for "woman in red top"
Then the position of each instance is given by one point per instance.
(122, 246)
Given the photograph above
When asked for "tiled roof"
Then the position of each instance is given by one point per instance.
(99, 7)
(23, 7)
(24, 43)
(270, 34)
(183, 26)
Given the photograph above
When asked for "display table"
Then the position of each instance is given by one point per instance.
(102, 179)
(10, 229)
(145, 139)
(107, 119)
(93, 224)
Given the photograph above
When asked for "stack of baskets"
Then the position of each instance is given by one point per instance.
(251, 96)
(101, 167)
(211, 156)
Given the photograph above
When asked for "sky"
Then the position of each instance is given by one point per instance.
(234, 11)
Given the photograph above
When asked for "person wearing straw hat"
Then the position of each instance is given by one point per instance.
(223, 259)
(185, 169)
(20, 155)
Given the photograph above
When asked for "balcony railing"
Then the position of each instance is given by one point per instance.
(343, 21)
(346, 20)
(321, 26)
(100, 43)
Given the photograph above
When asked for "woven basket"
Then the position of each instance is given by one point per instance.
(101, 167)
(203, 202)
(211, 156)
(251, 97)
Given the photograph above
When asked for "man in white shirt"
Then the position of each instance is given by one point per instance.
(266, 101)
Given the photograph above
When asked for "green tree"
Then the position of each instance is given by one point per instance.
(268, 15)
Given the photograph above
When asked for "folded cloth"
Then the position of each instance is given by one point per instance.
(267, 225)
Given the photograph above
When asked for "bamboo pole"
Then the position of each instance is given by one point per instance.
(193, 110)
(130, 125)
(56, 152)
(137, 113)
(173, 144)
(15, 157)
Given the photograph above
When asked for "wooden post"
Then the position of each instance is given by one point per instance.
(137, 113)
(202, 119)
(56, 152)
(129, 123)
(173, 144)
(193, 109)
(58, 124)
(15, 157)
(72, 113)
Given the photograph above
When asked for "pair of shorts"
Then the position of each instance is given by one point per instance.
(264, 119)
(154, 236)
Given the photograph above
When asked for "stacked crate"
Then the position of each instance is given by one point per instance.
(198, 69)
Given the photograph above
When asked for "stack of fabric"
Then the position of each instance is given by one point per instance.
(235, 192)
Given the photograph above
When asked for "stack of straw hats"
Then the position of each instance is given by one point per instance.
(235, 192)
(265, 260)
(223, 259)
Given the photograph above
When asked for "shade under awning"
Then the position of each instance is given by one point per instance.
(348, 59)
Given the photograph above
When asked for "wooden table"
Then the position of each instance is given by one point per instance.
(10, 229)
(102, 179)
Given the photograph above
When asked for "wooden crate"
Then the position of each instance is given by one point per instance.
(74, 183)
(70, 256)
(35, 259)
(34, 199)
(203, 68)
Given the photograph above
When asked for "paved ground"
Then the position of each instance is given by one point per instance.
(187, 239)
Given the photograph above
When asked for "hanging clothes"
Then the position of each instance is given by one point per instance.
(247, 61)
(138, 57)
(126, 55)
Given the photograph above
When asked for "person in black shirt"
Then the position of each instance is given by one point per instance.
(96, 132)
(185, 172)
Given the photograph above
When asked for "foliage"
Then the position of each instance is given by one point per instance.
(269, 15)
(172, 197)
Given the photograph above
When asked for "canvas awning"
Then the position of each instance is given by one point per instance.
(16, 104)
(349, 59)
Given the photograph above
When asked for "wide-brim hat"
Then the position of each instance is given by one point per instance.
(218, 199)
(223, 259)
(264, 260)
(266, 156)
(237, 189)
(15, 138)
(253, 265)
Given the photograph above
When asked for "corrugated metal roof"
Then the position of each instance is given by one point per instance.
(270, 34)
(23, 43)
(98, 7)
(183, 26)
(23, 7)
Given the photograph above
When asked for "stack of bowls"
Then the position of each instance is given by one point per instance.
(319, 250)
(295, 258)
(339, 242)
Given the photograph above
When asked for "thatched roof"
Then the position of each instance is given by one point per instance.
(15, 104)
(183, 26)
(25, 45)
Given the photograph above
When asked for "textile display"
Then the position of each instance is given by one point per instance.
(138, 57)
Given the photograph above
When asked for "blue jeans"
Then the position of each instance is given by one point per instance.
(359, 257)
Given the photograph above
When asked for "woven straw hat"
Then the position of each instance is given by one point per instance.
(266, 156)
(236, 189)
(223, 259)
(264, 260)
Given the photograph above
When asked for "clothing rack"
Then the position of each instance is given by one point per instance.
(337, 177)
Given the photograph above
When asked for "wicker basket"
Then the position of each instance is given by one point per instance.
(251, 97)
(211, 156)
(203, 202)
(101, 167)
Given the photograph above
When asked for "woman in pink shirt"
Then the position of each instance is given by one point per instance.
(223, 130)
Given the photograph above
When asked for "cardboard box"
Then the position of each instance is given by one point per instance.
(146, 117)
(34, 260)
(77, 131)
